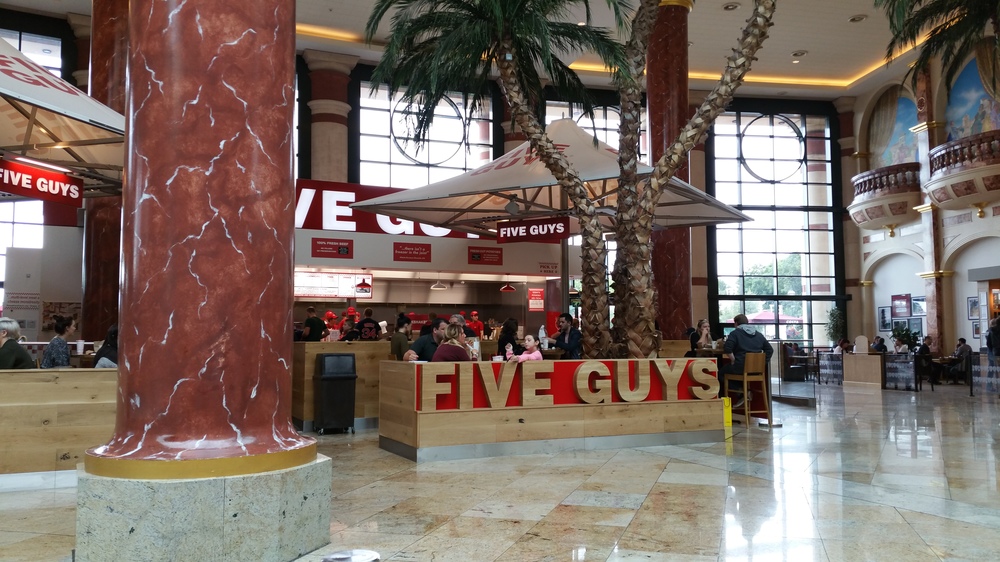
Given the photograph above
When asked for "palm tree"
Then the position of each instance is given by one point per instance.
(441, 46)
(637, 200)
(954, 29)
(437, 46)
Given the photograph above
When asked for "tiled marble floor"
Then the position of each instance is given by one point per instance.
(903, 476)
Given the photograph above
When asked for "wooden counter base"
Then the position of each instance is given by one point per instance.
(481, 432)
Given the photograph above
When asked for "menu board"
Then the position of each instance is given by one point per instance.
(322, 284)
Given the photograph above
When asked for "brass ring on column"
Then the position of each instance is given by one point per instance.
(143, 469)
(689, 4)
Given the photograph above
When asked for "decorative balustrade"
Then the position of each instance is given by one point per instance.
(965, 173)
(899, 178)
(884, 198)
(969, 152)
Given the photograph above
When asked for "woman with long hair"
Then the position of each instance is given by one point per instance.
(57, 352)
(508, 335)
(453, 346)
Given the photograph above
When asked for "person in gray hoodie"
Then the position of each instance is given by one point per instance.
(744, 339)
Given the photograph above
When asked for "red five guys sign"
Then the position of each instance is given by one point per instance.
(39, 183)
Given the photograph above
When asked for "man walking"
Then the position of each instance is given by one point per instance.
(744, 339)
(314, 328)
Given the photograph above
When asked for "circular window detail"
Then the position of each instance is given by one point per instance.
(404, 122)
(774, 156)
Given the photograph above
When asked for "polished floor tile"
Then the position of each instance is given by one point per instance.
(862, 476)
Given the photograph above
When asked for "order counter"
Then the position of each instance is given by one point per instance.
(367, 356)
(437, 411)
(50, 417)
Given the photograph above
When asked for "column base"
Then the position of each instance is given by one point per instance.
(270, 516)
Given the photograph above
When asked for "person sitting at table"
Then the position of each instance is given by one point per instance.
(744, 339)
(701, 338)
(899, 346)
(453, 346)
(107, 356)
(531, 352)
(956, 367)
(425, 346)
(878, 344)
(12, 355)
(508, 336)
(57, 352)
(845, 346)
(568, 339)
(922, 356)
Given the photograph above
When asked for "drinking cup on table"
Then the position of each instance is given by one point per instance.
(713, 345)
(497, 357)
(79, 347)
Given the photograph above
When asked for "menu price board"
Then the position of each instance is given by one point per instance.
(321, 284)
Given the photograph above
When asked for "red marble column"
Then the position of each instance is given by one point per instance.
(102, 223)
(206, 325)
(667, 100)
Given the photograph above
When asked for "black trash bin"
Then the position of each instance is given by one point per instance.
(333, 395)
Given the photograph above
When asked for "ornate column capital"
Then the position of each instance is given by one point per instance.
(80, 25)
(322, 60)
(329, 107)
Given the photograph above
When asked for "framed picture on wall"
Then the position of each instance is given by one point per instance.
(901, 324)
(975, 330)
(973, 308)
(916, 325)
(885, 318)
(919, 306)
(901, 306)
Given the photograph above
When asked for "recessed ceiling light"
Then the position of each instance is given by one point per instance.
(795, 61)
(857, 18)
(799, 54)
(47, 51)
(581, 23)
(731, 6)
(690, 43)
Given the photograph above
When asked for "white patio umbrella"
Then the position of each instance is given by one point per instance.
(518, 186)
(49, 120)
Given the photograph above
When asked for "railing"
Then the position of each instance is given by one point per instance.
(970, 152)
(898, 178)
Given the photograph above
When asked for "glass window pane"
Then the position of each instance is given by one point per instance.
(728, 240)
(7, 212)
(28, 235)
(758, 285)
(730, 285)
(374, 148)
(728, 264)
(728, 193)
(759, 240)
(29, 212)
(6, 236)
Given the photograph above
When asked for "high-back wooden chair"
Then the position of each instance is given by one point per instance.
(754, 370)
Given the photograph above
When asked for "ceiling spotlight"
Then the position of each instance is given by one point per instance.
(731, 6)
(799, 54)
(47, 51)
(858, 18)
(512, 208)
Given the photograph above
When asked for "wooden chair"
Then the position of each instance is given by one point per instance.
(754, 370)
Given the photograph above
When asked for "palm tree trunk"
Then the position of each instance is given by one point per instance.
(594, 294)
(633, 272)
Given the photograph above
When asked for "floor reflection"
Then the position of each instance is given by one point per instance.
(862, 476)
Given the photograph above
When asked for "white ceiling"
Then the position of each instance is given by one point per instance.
(844, 59)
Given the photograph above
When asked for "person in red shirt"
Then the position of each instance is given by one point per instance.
(331, 320)
(476, 325)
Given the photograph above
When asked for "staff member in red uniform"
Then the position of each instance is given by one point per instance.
(476, 325)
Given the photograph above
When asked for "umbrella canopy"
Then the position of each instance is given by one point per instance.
(767, 316)
(518, 186)
(45, 118)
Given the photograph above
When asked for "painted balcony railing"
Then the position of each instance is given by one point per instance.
(885, 197)
(966, 173)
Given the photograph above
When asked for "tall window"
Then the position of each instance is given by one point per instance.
(389, 157)
(45, 51)
(779, 269)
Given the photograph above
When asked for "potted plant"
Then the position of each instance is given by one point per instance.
(836, 325)
(905, 335)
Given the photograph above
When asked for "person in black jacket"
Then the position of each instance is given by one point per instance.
(744, 339)
(12, 355)
(508, 335)
(107, 356)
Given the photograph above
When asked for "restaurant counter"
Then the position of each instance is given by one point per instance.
(50, 417)
(437, 411)
(367, 356)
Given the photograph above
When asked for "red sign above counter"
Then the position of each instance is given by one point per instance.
(39, 183)
(551, 229)
(479, 255)
(332, 248)
(324, 205)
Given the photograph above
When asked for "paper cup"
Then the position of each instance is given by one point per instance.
(79, 347)
(498, 357)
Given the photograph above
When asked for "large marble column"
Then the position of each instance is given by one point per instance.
(667, 109)
(204, 463)
(102, 222)
(330, 75)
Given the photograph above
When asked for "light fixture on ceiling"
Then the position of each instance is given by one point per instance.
(731, 6)
(797, 55)
(857, 18)
(512, 208)
(507, 287)
(10, 157)
(439, 286)
(47, 51)
(363, 285)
